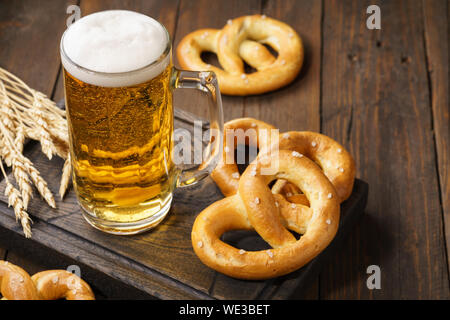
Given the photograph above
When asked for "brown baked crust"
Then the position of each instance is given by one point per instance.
(255, 207)
(16, 283)
(241, 39)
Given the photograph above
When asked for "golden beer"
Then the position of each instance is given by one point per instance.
(122, 146)
(118, 81)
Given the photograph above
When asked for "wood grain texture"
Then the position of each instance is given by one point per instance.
(383, 94)
(436, 33)
(29, 37)
(163, 11)
(376, 100)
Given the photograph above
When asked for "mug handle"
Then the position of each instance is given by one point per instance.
(205, 81)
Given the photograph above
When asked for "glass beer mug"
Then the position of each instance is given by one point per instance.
(118, 82)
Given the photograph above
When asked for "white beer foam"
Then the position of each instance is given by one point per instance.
(113, 42)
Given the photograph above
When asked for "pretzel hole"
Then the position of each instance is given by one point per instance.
(249, 240)
(290, 188)
(246, 153)
(210, 57)
(271, 50)
(293, 194)
(248, 69)
(271, 183)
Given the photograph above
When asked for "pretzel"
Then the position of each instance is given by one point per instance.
(254, 206)
(243, 39)
(59, 284)
(15, 283)
(336, 163)
(226, 174)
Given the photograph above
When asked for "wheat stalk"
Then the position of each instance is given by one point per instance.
(20, 138)
(20, 174)
(23, 166)
(28, 114)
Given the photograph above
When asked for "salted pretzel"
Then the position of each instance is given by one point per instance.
(226, 174)
(16, 283)
(336, 163)
(254, 206)
(61, 284)
(243, 39)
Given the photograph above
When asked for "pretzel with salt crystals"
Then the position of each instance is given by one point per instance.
(61, 284)
(254, 206)
(336, 162)
(16, 283)
(243, 39)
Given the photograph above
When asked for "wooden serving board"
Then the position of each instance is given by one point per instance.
(160, 263)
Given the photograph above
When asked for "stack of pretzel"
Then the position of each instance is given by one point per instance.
(315, 174)
(17, 284)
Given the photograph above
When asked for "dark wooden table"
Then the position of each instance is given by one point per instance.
(383, 93)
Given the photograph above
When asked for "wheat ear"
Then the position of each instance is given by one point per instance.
(65, 178)
(22, 180)
(39, 182)
(15, 200)
(44, 134)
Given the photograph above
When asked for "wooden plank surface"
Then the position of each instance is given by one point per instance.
(27, 50)
(436, 14)
(2, 252)
(376, 100)
(382, 93)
